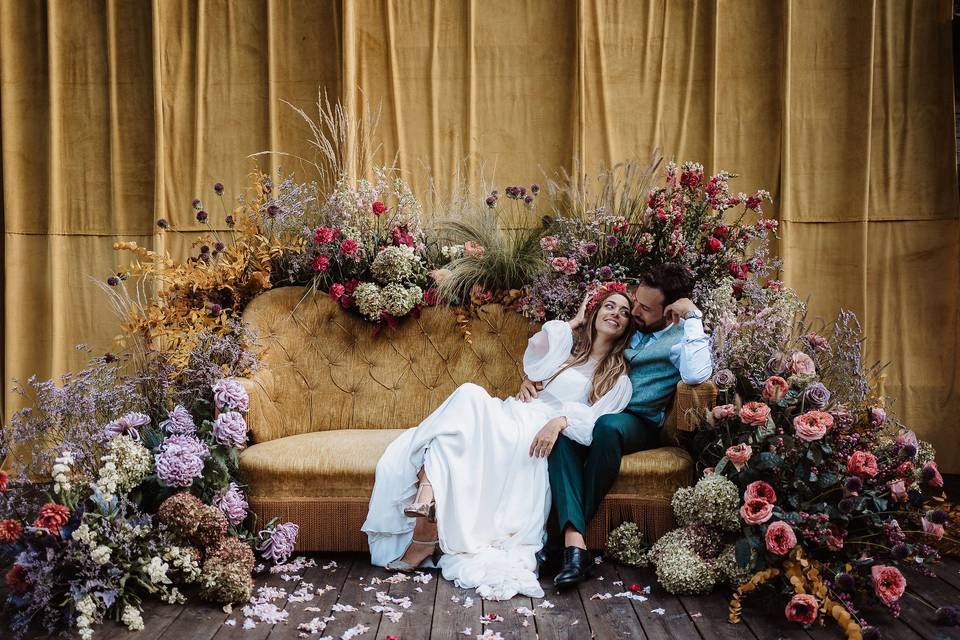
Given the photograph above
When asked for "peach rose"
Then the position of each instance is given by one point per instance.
(888, 583)
(780, 538)
(756, 511)
(775, 388)
(722, 411)
(739, 454)
(898, 490)
(812, 425)
(863, 464)
(473, 249)
(708, 471)
(801, 364)
(755, 413)
(802, 608)
(760, 489)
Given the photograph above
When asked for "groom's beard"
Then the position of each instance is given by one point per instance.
(652, 327)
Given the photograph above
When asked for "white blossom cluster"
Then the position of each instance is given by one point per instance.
(125, 465)
(61, 473)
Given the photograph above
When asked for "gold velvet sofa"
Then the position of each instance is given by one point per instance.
(330, 397)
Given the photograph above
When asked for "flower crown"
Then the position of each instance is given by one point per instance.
(602, 291)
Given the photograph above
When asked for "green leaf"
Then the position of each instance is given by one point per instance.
(742, 553)
(768, 460)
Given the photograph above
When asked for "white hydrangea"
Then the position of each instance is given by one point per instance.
(86, 535)
(61, 473)
(101, 554)
(182, 561)
(452, 252)
(86, 610)
(398, 300)
(125, 465)
(157, 571)
(395, 264)
(368, 300)
(132, 618)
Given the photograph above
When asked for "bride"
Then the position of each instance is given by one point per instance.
(471, 479)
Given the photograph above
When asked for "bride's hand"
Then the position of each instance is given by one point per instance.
(528, 390)
(543, 442)
(581, 316)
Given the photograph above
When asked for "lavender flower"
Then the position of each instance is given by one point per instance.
(232, 503)
(277, 544)
(230, 429)
(197, 204)
(179, 422)
(724, 379)
(181, 460)
(613, 242)
(817, 395)
(605, 273)
(231, 394)
(491, 201)
(127, 424)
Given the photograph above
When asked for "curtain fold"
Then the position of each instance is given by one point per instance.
(116, 113)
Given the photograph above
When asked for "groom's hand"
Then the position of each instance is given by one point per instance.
(676, 311)
(528, 389)
(543, 442)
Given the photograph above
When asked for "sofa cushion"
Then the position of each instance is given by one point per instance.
(335, 464)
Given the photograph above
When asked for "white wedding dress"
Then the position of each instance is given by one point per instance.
(492, 498)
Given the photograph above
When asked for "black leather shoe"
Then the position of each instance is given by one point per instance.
(548, 559)
(577, 567)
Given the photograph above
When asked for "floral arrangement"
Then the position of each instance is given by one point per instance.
(692, 220)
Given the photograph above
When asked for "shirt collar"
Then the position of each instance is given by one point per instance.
(653, 337)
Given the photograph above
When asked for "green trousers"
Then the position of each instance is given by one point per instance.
(581, 476)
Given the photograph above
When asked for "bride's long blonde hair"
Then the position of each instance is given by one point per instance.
(613, 365)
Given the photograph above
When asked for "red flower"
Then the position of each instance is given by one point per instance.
(4, 481)
(16, 579)
(430, 296)
(346, 301)
(722, 231)
(348, 247)
(739, 271)
(713, 245)
(323, 235)
(336, 290)
(774, 389)
(52, 517)
(350, 286)
(635, 588)
(802, 608)
(379, 208)
(780, 538)
(10, 531)
(760, 489)
(756, 511)
(321, 263)
(400, 236)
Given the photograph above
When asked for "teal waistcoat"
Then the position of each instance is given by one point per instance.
(653, 376)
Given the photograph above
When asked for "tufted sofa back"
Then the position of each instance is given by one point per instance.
(323, 369)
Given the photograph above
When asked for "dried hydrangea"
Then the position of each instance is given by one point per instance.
(625, 544)
(235, 551)
(399, 300)
(396, 264)
(225, 582)
(180, 513)
(713, 502)
(211, 527)
(125, 465)
(368, 300)
(679, 569)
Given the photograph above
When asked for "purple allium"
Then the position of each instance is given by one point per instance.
(613, 241)
(908, 451)
(179, 422)
(201, 216)
(724, 379)
(232, 503)
(127, 424)
(900, 551)
(817, 395)
(214, 310)
(528, 200)
(230, 394)
(229, 221)
(230, 429)
(605, 273)
(197, 204)
(204, 248)
(163, 224)
(273, 211)
(218, 188)
(491, 201)
(277, 544)
(113, 281)
(534, 189)
(870, 633)
(948, 616)
(937, 516)
(180, 460)
(218, 246)
(928, 472)
(588, 248)
(853, 484)
(845, 505)
(845, 582)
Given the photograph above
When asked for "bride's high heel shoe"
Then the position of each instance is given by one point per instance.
(406, 567)
(422, 508)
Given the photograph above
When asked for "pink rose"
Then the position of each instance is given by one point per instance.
(708, 471)
(898, 490)
(802, 608)
(379, 208)
(723, 411)
(571, 267)
(472, 249)
(812, 425)
(863, 464)
(931, 528)
(780, 538)
(756, 511)
(801, 364)
(739, 454)
(755, 413)
(760, 489)
(888, 583)
(548, 243)
(775, 388)
(559, 264)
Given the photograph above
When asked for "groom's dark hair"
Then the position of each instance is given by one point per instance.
(672, 279)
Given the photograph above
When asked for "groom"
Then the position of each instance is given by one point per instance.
(669, 345)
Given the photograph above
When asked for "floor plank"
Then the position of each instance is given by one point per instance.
(319, 576)
(918, 605)
(675, 622)
(418, 618)
(263, 629)
(610, 617)
(512, 627)
(949, 571)
(450, 617)
(353, 595)
(157, 616)
(566, 619)
(198, 621)
(709, 614)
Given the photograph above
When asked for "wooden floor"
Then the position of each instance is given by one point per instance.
(344, 590)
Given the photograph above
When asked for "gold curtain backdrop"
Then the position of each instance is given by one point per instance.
(117, 113)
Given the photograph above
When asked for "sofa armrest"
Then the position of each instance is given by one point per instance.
(263, 412)
(691, 401)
